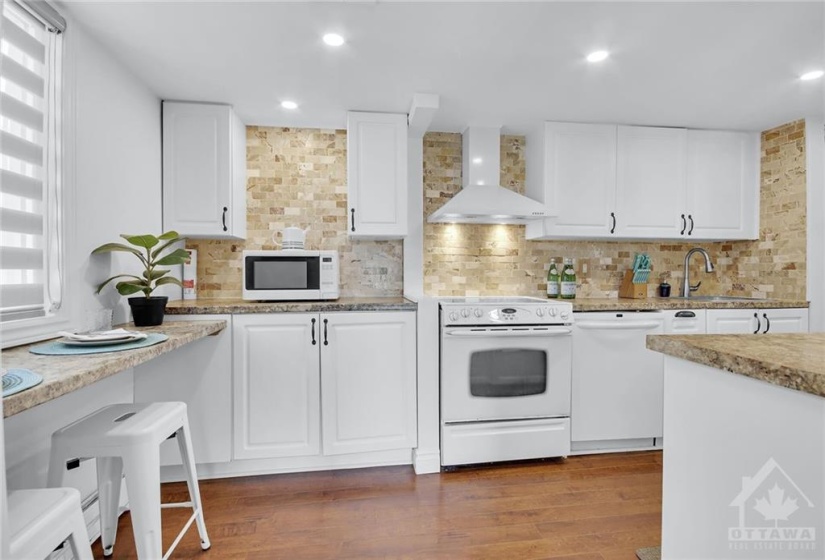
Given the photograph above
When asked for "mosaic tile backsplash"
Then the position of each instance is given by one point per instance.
(470, 260)
(298, 177)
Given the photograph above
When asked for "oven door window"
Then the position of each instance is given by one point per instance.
(508, 373)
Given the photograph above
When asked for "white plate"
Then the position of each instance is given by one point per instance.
(110, 342)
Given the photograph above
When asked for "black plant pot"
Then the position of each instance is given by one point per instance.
(148, 311)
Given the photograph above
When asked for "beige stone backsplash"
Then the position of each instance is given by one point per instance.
(297, 177)
(470, 260)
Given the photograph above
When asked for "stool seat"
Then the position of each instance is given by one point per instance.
(120, 425)
(125, 439)
(40, 520)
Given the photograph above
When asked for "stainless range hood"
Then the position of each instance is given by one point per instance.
(482, 200)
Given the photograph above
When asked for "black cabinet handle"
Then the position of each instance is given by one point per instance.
(326, 342)
(684, 225)
(613, 227)
(690, 231)
(685, 314)
(352, 211)
(767, 323)
(314, 342)
(223, 217)
(758, 323)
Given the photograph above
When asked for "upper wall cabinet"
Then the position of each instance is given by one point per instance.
(204, 171)
(377, 175)
(722, 185)
(664, 183)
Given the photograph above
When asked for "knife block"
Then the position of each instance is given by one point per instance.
(630, 290)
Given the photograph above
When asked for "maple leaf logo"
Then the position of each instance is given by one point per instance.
(777, 507)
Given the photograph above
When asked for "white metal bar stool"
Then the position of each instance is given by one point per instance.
(125, 439)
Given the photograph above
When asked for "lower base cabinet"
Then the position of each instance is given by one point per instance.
(757, 321)
(331, 383)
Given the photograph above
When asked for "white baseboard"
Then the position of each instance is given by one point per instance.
(615, 446)
(426, 462)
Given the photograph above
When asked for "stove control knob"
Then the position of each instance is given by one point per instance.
(453, 316)
(465, 313)
(551, 312)
(540, 312)
(565, 315)
(478, 312)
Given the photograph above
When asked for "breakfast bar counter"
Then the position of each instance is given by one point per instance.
(65, 374)
(744, 445)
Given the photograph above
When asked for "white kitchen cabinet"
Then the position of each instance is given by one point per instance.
(276, 385)
(685, 321)
(634, 182)
(650, 181)
(377, 174)
(722, 185)
(757, 321)
(200, 375)
(572, 170)
(368, 381)
(342, 382)
(204, 171)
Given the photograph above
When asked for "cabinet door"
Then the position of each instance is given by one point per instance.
(685, 321)
(200, 375)
(198, 180)
(734, 321)
(722, 185)
(650, 181)
(580, 178)
(377, 174)
(784, 320)
(277, 387)
(368, 366)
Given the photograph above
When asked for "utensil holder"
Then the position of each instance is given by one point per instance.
(630, 290)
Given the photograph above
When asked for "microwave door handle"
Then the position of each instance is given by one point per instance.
(504, 334)
(619, 326)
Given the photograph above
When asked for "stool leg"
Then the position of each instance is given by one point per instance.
(188, 459)
(142, 468)
(57, 466)
(79, 538)
(109, 475)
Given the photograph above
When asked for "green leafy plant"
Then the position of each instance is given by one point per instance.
(151, 260)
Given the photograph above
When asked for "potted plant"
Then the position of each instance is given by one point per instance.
(147, 310)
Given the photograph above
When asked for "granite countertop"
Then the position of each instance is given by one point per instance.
(217, 306)
(794, 361)
(64, 374)
(656, 303)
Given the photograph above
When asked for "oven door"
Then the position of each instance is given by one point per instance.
(503, 373)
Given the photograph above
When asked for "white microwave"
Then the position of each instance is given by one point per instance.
(290, 275)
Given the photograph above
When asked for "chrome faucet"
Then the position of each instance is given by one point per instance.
(687, 288)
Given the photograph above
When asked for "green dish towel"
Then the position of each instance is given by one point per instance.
(60, 349)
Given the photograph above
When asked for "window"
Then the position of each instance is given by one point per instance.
(30, 175)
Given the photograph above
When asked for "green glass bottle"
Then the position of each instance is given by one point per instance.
(568, 280)
(553, 279)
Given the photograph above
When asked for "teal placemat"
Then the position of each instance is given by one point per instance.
(16, 380)
(60, 349)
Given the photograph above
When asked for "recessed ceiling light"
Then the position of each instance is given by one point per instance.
(289, 105)
(597, 56)
(477, 160)
(333, 40)
(812, 75)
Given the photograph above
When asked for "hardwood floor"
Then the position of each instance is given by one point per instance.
(598, 507)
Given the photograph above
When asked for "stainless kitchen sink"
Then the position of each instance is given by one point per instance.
(716, 298)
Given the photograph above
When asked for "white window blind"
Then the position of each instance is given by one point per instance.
(30, 236)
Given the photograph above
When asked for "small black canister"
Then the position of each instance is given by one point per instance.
(664, 289)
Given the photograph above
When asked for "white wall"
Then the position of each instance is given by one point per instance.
(114, 154)
(815, 173)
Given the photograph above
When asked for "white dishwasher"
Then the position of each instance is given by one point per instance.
(617, 382)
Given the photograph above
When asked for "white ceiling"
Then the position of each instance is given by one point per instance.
(705, 65)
